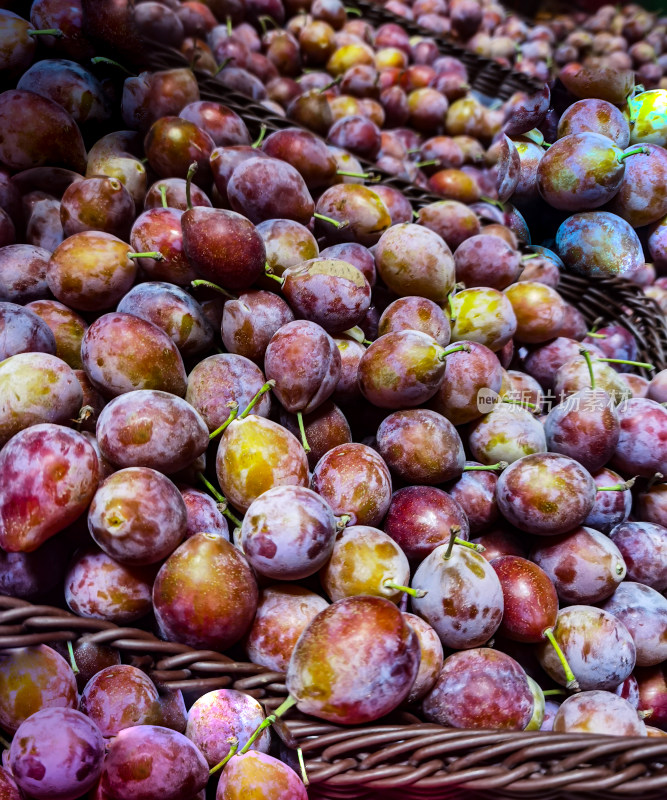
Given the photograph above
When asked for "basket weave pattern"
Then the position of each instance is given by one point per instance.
(399, 759)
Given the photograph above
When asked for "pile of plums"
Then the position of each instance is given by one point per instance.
(253, 401)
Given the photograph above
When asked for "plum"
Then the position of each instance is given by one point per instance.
(217, 716)
(288, 533)
(205, 593)
(31, 679)
(284, 611)
(643, 545)
(431, 660)
(57, 754)
(148, 428)
(643, 611)
(244, 772)
(355, 662)
(150, 761)
(480, 688)
(598, 712)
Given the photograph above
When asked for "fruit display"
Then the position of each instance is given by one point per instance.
(323, 367)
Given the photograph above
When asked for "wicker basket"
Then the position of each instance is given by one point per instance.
(399, 757)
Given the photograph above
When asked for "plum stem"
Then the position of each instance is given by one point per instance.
(430, 163)
(85, 413)
(105, 60)
(649, 367)
(302, 766)
(228, 22)
(415, 214)
(407, 589)
(333, 222)
(46, 32)
(572, 683)
(266, 18)
(285, 706)
(163, 195)
(188, 184)
(356, 12)
(594, 335)
(267, 386)
(269, 274)
(302, 431)
(72, 660)
(618, 487)
(587, 356)
(452, 539)
(492, 202)
(499, 467)
(637, 150)
(364, 175)
(331, 84)
(553, 692)
(478, 548)
(341, 522)
(5, 743)
(221, 500)
(355, 333)
(260, 138)
(658, 477)
(155, 254)
(413, 150)
(233, 413)
(214, 286)
(222, 65)
(234, 746)
(528, 256)
(530, 405)
(459, 348)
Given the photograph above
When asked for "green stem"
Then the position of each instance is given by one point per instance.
(223, 508)
(269, 274)
(286, 705)
(333, 222)
(594, 335)
(572, 683)
(499, 467)
(267, 386)
(649, 367)
(618, 487)
(492, 202)
(222, 65)
(188, 184)
(152, 254)
(46, 32)
(589, 364)
(519, 403)
(407, 589)
(478, 548)
(452, 539)
(465, 348)
(364, 175)
(211, 488)
(553, 692)
(643, 150)
(232, 416)
(260, 138)
(72, 660)
(355, 333)
(431, 163)
(341, 522)
(5, 743)
(163, 194)
(105, 60)
(229, 25)
(330, 85)
(415, 214)
(356, 12)
(528, 256)
(302, 431)
(234, 746)
(214, 286)
(302, 766)
(264, 19)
